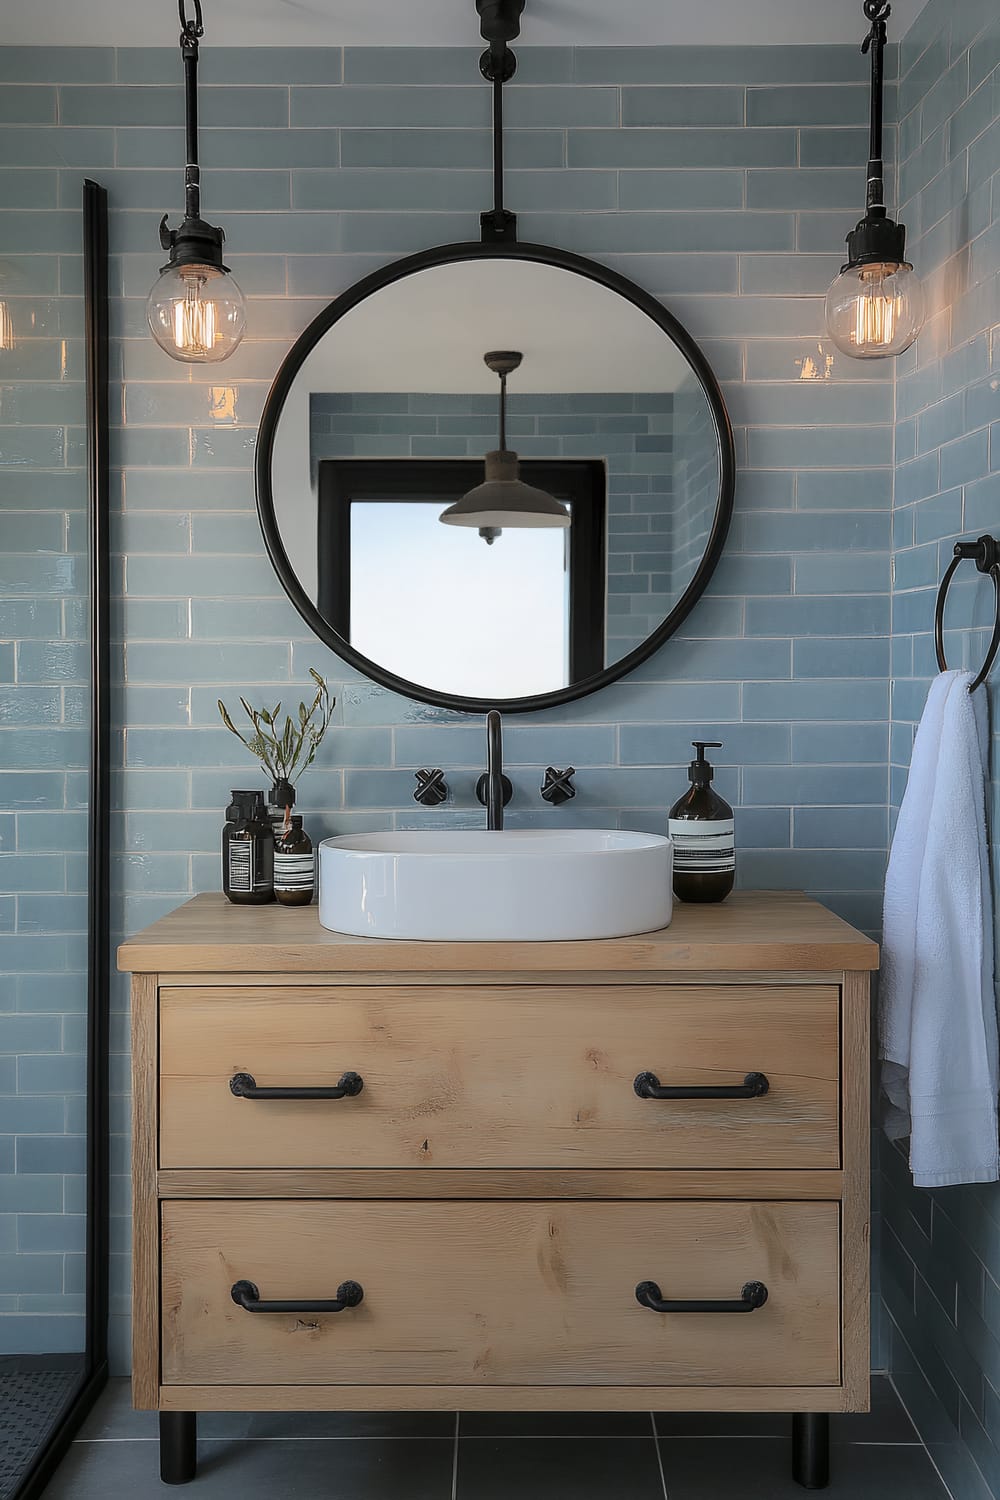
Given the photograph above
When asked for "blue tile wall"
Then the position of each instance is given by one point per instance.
(728, 198)
(941, 1249)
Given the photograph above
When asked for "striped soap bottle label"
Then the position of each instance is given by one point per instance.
(703, 848)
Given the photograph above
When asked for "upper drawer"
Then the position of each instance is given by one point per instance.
(499, 1076)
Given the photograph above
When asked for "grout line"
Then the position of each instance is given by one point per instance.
(659, 1455)
(899, 1397)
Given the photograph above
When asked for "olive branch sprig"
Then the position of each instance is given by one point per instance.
(285, 751)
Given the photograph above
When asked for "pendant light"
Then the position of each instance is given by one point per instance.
(875, 308)
(196, 310)
(503, 499)
(7, 340)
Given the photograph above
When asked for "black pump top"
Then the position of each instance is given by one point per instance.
(699, 771)
(246, 807)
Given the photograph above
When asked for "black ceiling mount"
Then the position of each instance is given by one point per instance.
(500, 23)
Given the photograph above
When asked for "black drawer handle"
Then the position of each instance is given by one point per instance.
(244, 1086)
(753, 1295)
(754, 1086)
(246, 1295)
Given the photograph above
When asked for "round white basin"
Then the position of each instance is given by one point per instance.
(470, 886)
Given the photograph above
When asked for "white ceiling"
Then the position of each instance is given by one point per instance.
(359, 23)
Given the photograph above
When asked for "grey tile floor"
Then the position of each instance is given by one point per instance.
(483, 1456)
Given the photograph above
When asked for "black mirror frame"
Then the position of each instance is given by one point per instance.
(446, 255)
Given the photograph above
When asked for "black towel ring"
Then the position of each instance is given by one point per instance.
(985, 553)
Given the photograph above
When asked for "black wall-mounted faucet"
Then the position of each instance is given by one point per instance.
(494, 789)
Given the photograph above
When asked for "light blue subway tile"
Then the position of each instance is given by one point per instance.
(61, 1155)
(819, 448)
(841, 573)
(718, 64)
(22, 187)
(818, 785)
(31, 1273)
(52, 1231)
(30, 1197)
(982, 503)
(445, 148)
(26, 705)
(30, 1034)
(27, 104)
(840, 827)
(815, 531)
(35, 1334)
(53, 661)
(805, 188)
(200, 576)
(842, 147)
(201, 661)
(679, 188)
(43, 749)
(688, 105)
(681, 148)
(830, 698)
(834, 490)
(752, 575)
(841, 656)
(42, 913)
(667, 744)
(843, 104)
(409, 106)
(965, 460)
(791, 275)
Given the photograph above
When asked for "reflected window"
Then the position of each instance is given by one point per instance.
(520, 616)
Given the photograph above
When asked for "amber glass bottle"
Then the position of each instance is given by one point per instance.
(247, 851)
(701, 826)
(294, 865)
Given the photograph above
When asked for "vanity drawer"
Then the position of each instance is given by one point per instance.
(500, 1076)
(500, 1293)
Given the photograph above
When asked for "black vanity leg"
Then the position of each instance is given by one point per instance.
(178, 1445)
(811, 1449)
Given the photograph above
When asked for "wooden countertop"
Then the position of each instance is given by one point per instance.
(752, 931)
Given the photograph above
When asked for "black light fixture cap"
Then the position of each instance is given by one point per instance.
(877, 239)
(195, 243)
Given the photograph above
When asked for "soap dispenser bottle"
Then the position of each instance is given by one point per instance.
(701, 826)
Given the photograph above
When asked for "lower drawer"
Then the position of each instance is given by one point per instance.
(505, 1293)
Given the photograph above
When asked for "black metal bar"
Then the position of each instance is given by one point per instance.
(875, 41)
(811, 1449)
(985, 553)
(244, 1086)
(178, 1446)
(246, 1295)
(752, 1296)
(95, 223)
(754, 1086)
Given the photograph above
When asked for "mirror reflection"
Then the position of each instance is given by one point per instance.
(495, 478)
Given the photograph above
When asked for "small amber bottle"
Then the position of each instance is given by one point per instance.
(247, 851)
(701, 826)
(294, 865)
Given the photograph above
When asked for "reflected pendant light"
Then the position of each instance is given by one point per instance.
(875, 308)
(6, 320)
(503, 499)
(196, 310)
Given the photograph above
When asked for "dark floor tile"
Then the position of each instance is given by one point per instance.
(113, 1417)
(761, 1469)
(887, 1422)
(530, 1424)
(558, 1469)
(361, 1470)
(327, 1424)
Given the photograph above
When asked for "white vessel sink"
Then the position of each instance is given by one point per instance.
(522, 885)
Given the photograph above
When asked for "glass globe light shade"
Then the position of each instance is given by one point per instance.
(875, 310)
(6, 328)
(196, 313)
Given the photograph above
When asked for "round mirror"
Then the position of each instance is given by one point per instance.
(494, 476)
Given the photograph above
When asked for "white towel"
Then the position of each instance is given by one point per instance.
(937, 1008)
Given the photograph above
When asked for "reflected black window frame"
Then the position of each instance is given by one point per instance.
(457, 253)
(579, 483)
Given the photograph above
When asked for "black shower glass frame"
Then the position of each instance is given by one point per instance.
(94, 1373)
(474, 250)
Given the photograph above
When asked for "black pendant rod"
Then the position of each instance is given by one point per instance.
(877, 12)
(498, 148)
(191, 30)
(503, 412)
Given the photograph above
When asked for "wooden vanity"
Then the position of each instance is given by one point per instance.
(482, 1159)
